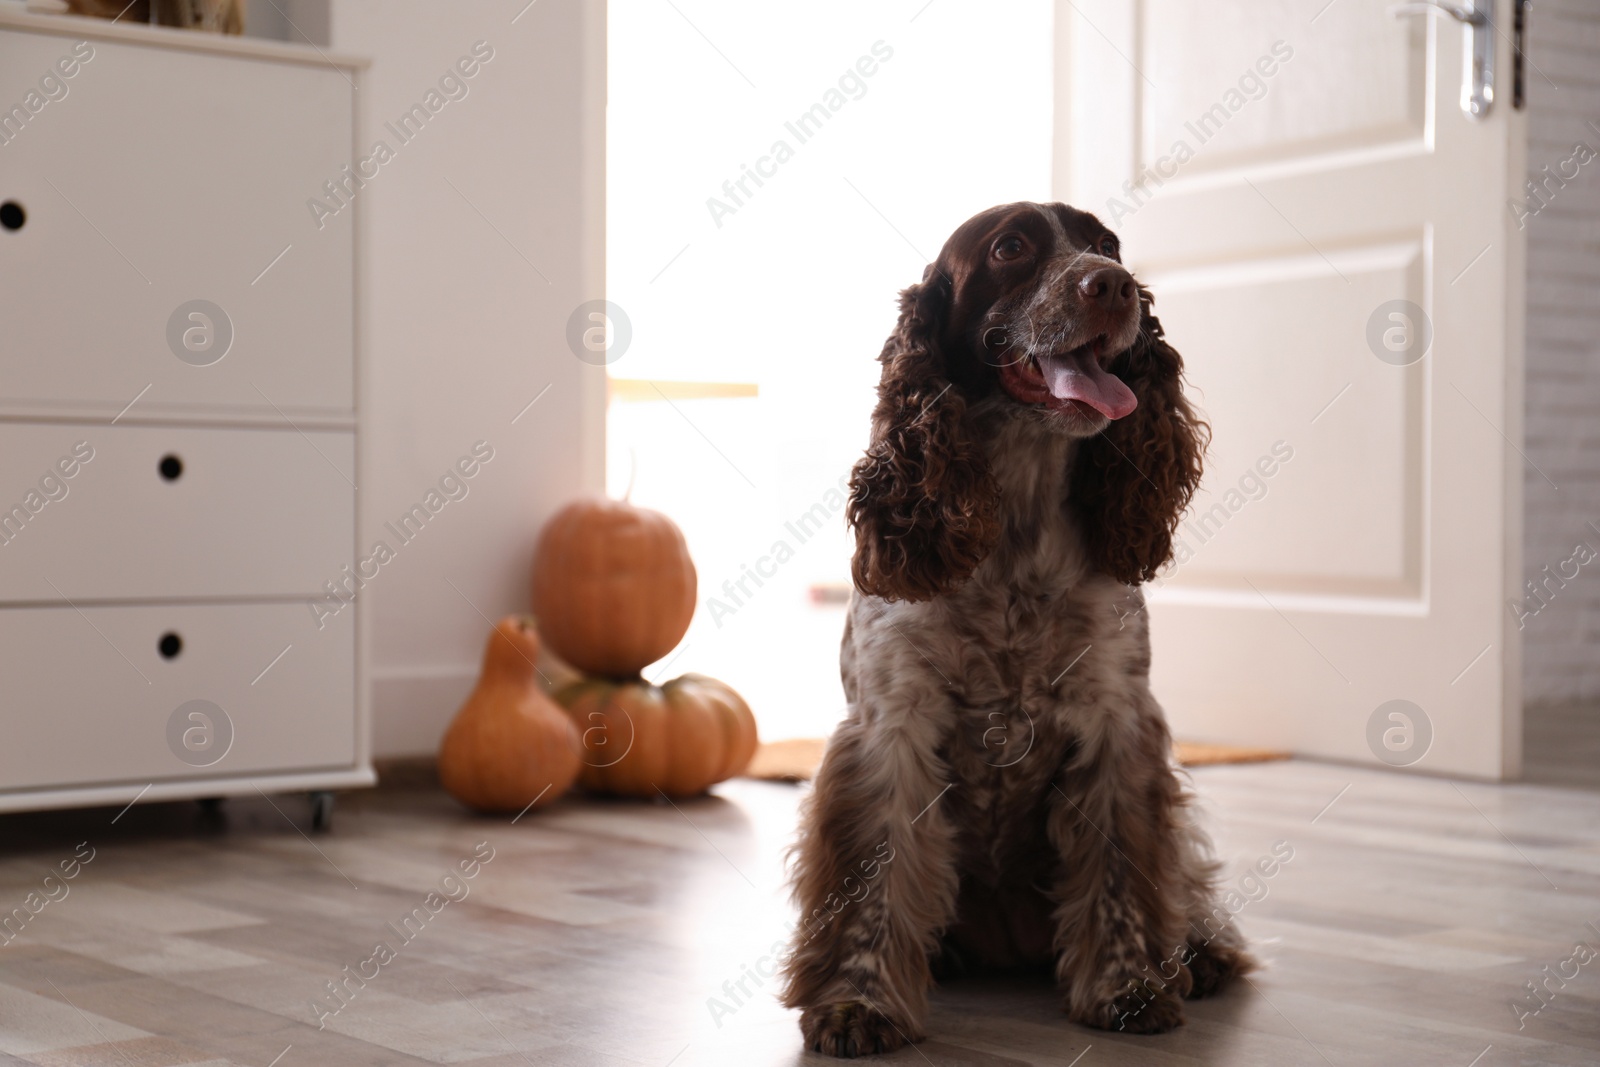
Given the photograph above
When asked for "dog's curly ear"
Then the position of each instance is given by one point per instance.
(922, 501)
(1132, 482)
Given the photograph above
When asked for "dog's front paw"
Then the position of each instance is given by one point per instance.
(1142, 1010)
(850, 1028)
(1214, 965)
(1146, 1011)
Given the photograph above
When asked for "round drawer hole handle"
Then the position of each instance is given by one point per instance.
(171, 467)
(169, 646)
(12, 216)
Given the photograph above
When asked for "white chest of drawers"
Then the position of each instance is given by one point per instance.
(180, 440)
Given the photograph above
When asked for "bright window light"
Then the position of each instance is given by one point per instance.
(776, 174)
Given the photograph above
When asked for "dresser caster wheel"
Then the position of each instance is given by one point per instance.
(321, 810)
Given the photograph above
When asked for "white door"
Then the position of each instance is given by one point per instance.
(1326, 232)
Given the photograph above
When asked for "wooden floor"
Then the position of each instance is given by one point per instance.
(1407, 923)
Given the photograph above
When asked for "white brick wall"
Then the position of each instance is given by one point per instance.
(1561, 659)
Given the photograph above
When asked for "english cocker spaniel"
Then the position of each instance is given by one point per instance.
(1002, 794)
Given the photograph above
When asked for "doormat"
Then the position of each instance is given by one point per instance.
(796, 759)
(793, 760)
(1200, 754)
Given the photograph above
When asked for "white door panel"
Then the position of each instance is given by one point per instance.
(1290, 304)
(1374, 70)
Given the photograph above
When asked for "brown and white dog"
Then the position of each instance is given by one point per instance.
(1002, 794)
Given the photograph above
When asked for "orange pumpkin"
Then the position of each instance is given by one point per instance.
(510, 745)
(680, 738)
(613, 586)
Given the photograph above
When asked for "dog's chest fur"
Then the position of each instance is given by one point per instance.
(1039, 655)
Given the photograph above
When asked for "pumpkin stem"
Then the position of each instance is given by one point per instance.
(633, 472)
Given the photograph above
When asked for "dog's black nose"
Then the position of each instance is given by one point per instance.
(1111, 286)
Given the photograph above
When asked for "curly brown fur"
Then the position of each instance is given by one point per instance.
(1001, 794)
(921, 499)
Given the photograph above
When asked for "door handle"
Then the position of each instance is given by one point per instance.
(1437, 7)
(1477, 60)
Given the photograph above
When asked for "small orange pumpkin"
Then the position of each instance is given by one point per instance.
(613, 586)
(510, 745)
(679, 739)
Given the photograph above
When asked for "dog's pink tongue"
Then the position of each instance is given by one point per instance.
(1077, 375)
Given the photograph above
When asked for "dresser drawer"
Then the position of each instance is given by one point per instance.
(163, 177)
(98, 512)
(92, 696)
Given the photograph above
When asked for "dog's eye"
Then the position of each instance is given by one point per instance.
(1009, 247)
(1108, 246)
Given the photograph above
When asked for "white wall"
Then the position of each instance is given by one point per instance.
(1561, 641)
(460, 330)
